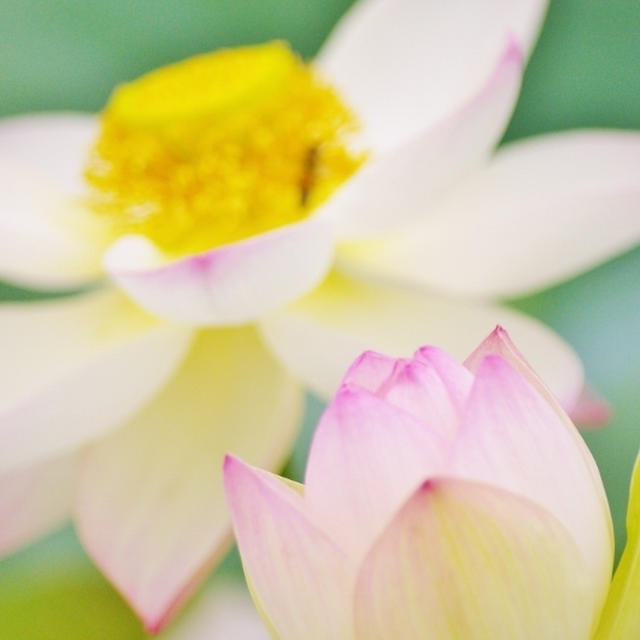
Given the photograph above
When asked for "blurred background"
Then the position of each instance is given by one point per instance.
(585, 72)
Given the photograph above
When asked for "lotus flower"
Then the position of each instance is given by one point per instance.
(248, 217)
(440, 501)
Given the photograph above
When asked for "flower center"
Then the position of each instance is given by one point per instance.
(218, 148)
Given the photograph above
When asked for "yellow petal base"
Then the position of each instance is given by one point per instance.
(218, 148)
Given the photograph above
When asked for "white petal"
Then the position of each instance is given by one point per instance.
(35, 500)
(47, 239)
(75, 367)
(318, 336)
(54, 146)
(231, 284)
(399, 185)
(542, 211)
(404, 64)
(151, 510)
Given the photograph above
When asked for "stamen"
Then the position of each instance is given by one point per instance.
(220, 147)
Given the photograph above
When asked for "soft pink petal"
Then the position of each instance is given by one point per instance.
(232, 284)
(367, 456)
(584, 405)
(371, 371)
(300, 580)
(75, 367)
(35, 500)
(151, 509)
(400, 184)
(417, 386)
(515, 439)
(404, 64)
(452, 374)
(543, 210)
(591, 410)
(499, 343)
(463, 560)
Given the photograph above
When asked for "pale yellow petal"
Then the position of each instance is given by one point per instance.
(466, 561)
(151, 509)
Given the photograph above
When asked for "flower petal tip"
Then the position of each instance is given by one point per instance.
(349, 395)
(363, 358)
(591, 410)
(429, 486)
(497, 342)
(514, 51)
(234, 471)
(154, 626)
(229, 463)
(500, 335)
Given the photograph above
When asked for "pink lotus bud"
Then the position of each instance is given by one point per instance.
(441, 500)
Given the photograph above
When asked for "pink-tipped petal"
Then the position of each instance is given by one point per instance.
(150, 508)
(35, 500)
(319, 336)
(586, 408)
(543, 210)
(353, 482)
(463, 560)
(404, 64)
(454, 375)
(232, 284)
(432, 389)
(499, 343)
(300, 580)
(76, 367)
(371, 371)
(399, 185)
(591, 410)
(514, 438)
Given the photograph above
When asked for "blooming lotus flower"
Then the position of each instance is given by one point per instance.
(248, 217)
(441, 500)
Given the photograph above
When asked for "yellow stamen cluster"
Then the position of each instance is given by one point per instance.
(218, 148)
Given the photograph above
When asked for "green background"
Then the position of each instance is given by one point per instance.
(67, 54)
